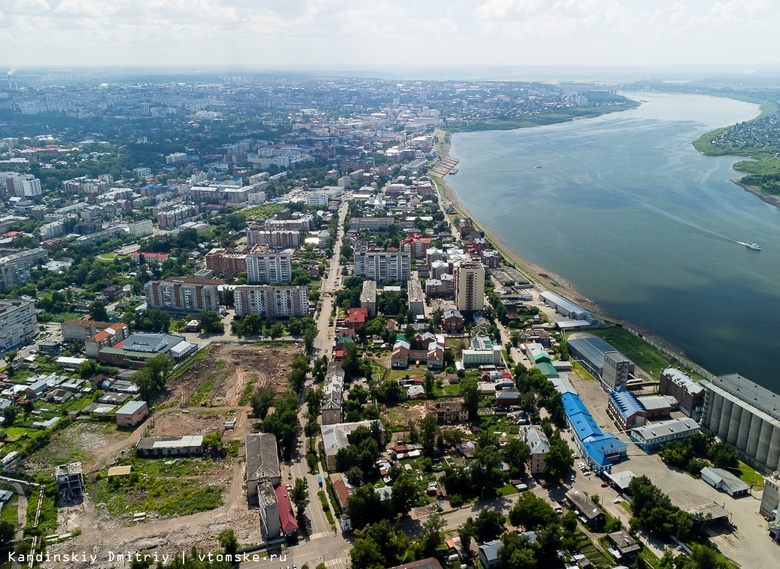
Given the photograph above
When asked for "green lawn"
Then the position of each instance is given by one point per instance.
(749, 476)
(636, 349)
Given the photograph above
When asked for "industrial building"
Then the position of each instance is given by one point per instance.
(131, 413)
(745, 415)
(652, 436)
(134, 350)
(627, 410)
(688, 393)
(724, 480)
(598, 449)
(590, 352)
(566, 307)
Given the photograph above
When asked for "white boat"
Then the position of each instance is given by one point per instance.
(751, 246)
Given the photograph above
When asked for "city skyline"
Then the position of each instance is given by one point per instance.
(350, 34)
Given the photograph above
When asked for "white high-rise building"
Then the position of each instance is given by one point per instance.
(470, 286)
(266, 265)
(375, 264)
(18, 323)
(271, 301)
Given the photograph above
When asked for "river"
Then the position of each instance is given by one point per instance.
(623, 207)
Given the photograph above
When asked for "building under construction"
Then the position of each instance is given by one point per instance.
(70, 483)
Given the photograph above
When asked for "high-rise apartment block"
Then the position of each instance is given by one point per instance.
(180, 294)
(376, 264)
(470, 286)
(271, 301)
(266, 265)
(18, 323)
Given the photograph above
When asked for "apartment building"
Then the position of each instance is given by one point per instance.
(266, 265)
(271, 301)
(376, 264)
(470, 286)
(283, 238)
(225, 263)
(181, 294)
(18, 323)
(15, 268)
(174, 217)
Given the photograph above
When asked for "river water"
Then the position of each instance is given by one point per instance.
(625, 208)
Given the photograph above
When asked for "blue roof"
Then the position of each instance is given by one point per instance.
(626, 403)
(585, 426)
(608, 444)
(572, 404)
(596, 455)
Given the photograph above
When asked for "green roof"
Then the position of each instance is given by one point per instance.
(547, 369)
(345, 340)
(542, 357)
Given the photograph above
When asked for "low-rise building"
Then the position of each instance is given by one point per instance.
(448, 411)
(589, 513)
(154, 447)
(724, 480)
(688, 393)
(652, 436)
(539, 445)
(131, 413)
(262, 463)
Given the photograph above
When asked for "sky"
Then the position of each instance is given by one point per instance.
(342, 34)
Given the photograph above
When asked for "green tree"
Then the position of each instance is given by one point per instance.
(428, 384)
(152, 377)
(261, 401)
(723, 456)
(365, 507)
(532, 513)
(515, 453)
(9, 415)
(517, 552)
(210, 323)
(468, 387)
(406, 491)
(488, 525)
(430, 535)
(428, 429)
(299, 495)
(97, 311)
(227, 539)
(557, 460)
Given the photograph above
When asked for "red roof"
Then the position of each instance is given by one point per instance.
(357, 316)
(286, 514)
(150, 255)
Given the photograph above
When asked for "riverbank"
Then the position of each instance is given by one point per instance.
(756, 191)
(542, 277)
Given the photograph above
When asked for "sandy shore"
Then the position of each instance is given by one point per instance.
(768, 198)
(539, 275)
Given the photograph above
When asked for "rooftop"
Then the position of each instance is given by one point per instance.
(262, 456)
(750, 392)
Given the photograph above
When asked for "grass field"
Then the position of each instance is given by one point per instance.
(637, 350)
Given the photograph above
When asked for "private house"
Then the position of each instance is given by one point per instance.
(451, 411)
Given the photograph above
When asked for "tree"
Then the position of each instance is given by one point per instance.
(488, 525)
(406, 490)
(9, 415)
(314, 398)
(249, 325)
(152, 377)
(210, 323)
(430, 536)
(284, 423)
(517, 552)
(428, 428)
(97, 311)
(299, 495)
(516, 452)
(468, 388)
(532, 513)
(262, 400)
(428, 384)
(723, 456)
(227, 539)
(557, 460)
(364, 507)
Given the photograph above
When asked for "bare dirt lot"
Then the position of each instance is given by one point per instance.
(212, 390)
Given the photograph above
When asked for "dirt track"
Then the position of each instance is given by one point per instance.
(232, 368)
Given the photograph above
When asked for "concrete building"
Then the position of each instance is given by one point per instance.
(539, 445)
(566, 307)
(689, 393)
(724, 480)
(589, 352)
(376, 264)
(745, 415)
(266, 265)
(652, 436)
(270, 522)
(142, 228)
(18, 323)
(277, 238)
(81, 330)
(470, 286)
(15, 268)
(108, 337)
(153, 447)
(416, 298)
(70, 483)
(616, 367)
(182, 294)
(336, 437)
(770, 499)
(225, 263)
(262, 463)
(177, 215)
(452, 321)
(600, 450)
(134, 350)
(482, 351)
(368, 297)
(271, 301)
(588, 512)
(131, 413)
(626, 409)
(449, 411)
